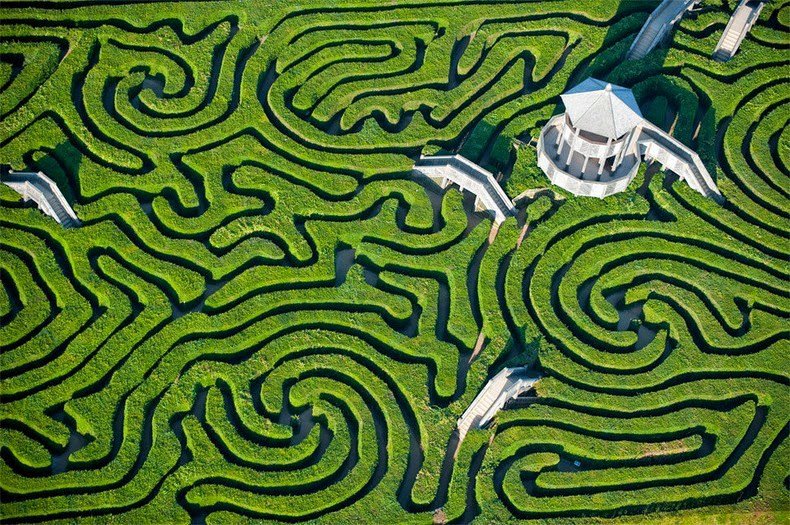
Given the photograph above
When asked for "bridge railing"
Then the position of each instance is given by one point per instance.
(752, 9)
(684, 158)
(41, 189)
(471, 177)
(664, 8)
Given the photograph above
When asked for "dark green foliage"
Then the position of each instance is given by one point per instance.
(266, 317)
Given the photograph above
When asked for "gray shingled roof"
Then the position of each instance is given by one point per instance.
(601, 108)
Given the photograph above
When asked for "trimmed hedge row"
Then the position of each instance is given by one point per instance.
(265, 316)
(699, 406)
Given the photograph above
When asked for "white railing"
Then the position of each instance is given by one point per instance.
(653, 143)
(471, 177)
(43, 191)
(741, 21)
(589, 148)
(30, 192)
(574, 183)
(514, 390)
(678, 157)
(494, 395)
(492, 384)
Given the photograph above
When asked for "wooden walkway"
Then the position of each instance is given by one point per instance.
(45, 193)
(507, 384)
(657, 26)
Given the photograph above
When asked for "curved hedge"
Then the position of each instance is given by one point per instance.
(267, 316)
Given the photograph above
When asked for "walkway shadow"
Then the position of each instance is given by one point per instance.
(479, 147)
(62, 165)
(514, 354)
(609, 63)
(630, 16)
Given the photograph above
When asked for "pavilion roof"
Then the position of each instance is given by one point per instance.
(601, 108)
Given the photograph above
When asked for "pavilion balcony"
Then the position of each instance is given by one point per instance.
(580, 177)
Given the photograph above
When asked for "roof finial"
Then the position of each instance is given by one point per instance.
(608, 87)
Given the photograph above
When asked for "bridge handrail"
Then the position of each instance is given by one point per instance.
(657, 12)
(31, 192)
(482, 392)
(510, 392)
(683, 152)
(36, 180)
(477, 173)
(479, 181)
(754, 14)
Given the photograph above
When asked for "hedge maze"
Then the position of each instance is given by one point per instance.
(266, 317)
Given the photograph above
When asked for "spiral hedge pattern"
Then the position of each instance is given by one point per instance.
(266, 317)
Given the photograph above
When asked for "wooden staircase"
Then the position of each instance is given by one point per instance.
(741, 21)
(657, 26)
(45, 193)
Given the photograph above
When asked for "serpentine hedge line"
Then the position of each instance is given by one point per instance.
(266, 317)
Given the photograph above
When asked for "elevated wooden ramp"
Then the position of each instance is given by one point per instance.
(45, 193)
(455, 169)
(657, 26)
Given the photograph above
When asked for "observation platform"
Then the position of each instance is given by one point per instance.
(595, 148)
(45, 193)
(455, 169)
(582, 177)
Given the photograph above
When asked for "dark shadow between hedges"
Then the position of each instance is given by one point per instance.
(62, 165)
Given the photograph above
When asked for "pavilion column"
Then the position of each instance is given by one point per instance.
(562, 131)
(635, 138)
(603, 160)
(621, 153)
(570, 148)
(619, 157)
(584, 164)
(561, 140)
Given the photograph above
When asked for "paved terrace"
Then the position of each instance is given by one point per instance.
(446, 169)
(45, 193)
